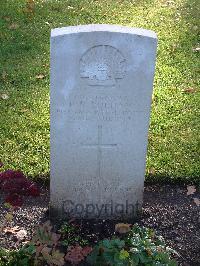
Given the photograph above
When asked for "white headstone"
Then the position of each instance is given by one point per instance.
(101, 89)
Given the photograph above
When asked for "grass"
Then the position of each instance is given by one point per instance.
(174, 136)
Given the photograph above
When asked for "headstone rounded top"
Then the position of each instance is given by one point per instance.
(101, 92)
(102, 28)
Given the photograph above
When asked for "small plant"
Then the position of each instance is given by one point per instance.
(21, 257)
(16, 186)
(67, 228)
(42, 250)
(139, 247)
(76, 254)
(109, 252)
(147, 248)
(70, 235)
(4, 256)
(8, 217)
(45, 242)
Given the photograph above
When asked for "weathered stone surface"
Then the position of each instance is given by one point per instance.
(101, 87)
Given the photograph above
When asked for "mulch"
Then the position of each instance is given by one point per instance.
(167, 209)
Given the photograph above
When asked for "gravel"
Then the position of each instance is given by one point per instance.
(167, 209)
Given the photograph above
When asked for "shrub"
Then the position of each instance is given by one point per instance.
(16, 185)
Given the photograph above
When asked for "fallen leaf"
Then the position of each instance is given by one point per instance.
(31, 3)
(122, 228)
(174, 47)
(30, 7)
(197, 49)
(191, 190)
(1, 164)
(21, 234)
(197, 201)
(11, 230)
(13, 26)
(40, 76)
(25, 242)
(195, 27)
(29, 11)
(24, 110)
(46, 22)
(152, 171)
(45, 65)
(189, 90)
(6, 18)
(70, 7)
(16, 231)
(4, 74)
(4, 96)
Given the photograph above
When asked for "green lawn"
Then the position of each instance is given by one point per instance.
(174, 136)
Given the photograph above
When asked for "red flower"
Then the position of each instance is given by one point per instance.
(14, 200)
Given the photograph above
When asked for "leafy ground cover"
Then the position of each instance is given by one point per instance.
(68, 244)
(172, 211)
(133, 245)
(136, 246)
(173, 152)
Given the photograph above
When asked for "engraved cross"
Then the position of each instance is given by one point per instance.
(99, 146)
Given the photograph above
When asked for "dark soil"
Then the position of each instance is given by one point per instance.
(167, 209)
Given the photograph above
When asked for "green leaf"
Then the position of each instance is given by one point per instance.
(144, 258)
(135, 259)
(109, 257)
(31, 249)
(107, 243)
(123, 254)
(25, 262)
(119, 243)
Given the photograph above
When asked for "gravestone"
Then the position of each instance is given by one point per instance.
(101, 89)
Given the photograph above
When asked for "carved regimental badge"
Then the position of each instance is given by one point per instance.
(102, 65)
